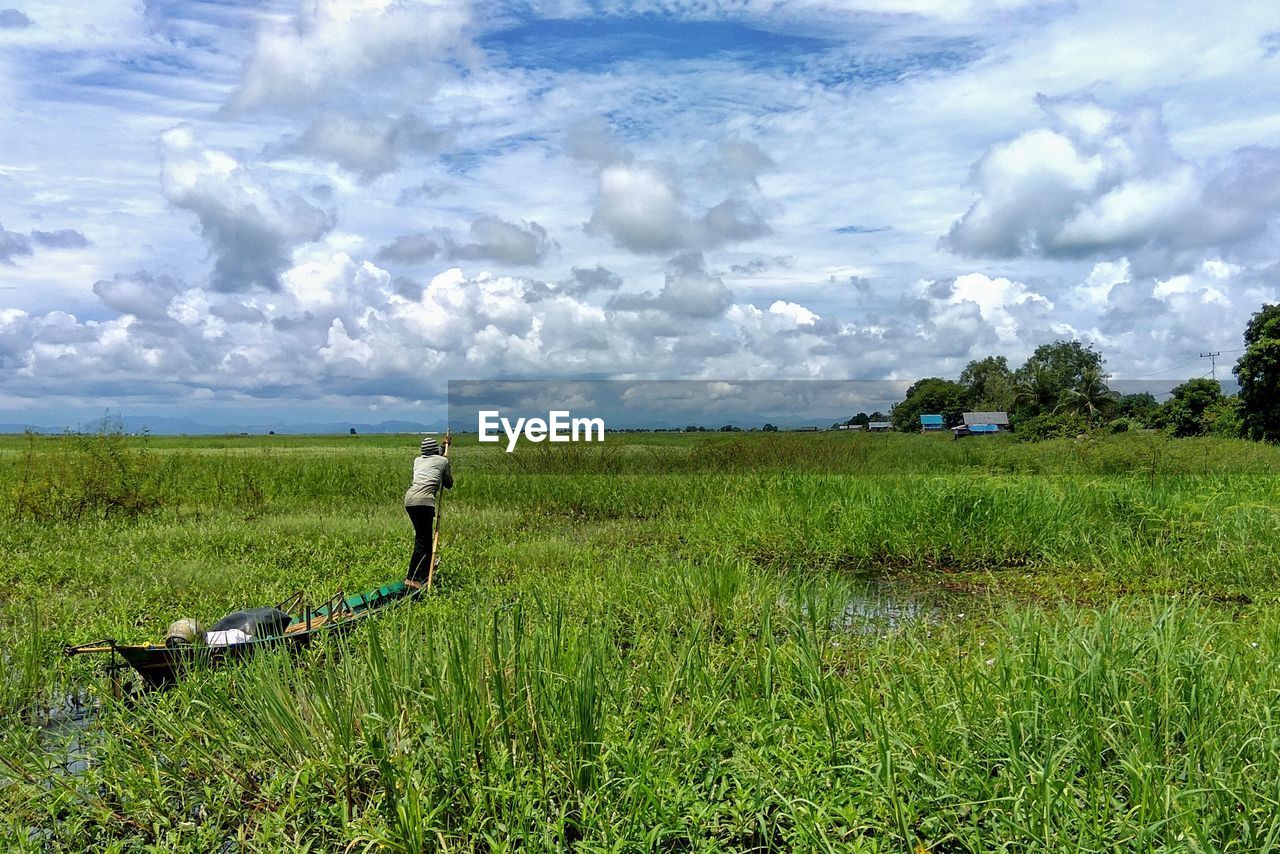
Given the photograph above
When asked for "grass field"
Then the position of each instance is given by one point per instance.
(684, 642)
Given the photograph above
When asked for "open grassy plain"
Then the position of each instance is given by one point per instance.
(677, 642)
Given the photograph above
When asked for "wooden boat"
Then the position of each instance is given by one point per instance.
(161, 665)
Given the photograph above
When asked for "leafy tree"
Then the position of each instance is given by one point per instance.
(769, 428)
(862, 419)
(877, 416)
(1141, 407)
(930, 395)
(978, 371)
(1188, 412)
(989, 384)
(1258, 372)
(1050, 371)
(1090, 397)
(1066, 361)
(1226, 417)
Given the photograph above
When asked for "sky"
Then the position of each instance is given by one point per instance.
(328, 209)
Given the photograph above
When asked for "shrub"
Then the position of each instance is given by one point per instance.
(1226, 418)
(83, 476)
(1050, 425)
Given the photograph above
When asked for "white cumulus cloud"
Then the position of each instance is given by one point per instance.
(250, 231)
(1099, 180)
(332, 44)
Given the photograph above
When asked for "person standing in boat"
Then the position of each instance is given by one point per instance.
(430, 474)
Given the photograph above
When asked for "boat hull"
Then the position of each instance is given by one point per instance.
(160, 666)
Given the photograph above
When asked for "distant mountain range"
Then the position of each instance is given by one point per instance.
(165, 426)
(158, 425)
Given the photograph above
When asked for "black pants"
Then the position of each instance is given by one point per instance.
(420, 563)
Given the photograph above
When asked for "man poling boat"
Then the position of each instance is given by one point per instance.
(292, 623)
(431, 475)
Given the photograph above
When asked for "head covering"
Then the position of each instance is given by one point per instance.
(184, 632)
(430, 447)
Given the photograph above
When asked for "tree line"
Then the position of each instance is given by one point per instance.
(1062, 390)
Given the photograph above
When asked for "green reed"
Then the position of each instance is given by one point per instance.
(681, 652)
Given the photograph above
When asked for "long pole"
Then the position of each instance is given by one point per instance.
(1213, 363)
(435, 535)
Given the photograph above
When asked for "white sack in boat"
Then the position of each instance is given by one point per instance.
(226, 637)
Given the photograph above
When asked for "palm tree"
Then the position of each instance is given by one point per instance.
(1036, 390)
(1089, 396)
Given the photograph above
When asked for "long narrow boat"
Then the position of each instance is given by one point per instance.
(160, 665)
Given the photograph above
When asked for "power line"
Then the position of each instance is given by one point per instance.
(1185, 362)
(1166, 368)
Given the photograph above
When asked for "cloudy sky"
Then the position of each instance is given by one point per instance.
(328, 208)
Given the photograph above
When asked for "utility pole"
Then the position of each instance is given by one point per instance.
(1213, 362)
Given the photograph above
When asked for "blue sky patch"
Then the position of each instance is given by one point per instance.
(595, 44)
(860, 229)
(886, 67)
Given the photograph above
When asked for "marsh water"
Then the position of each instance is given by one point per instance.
(65, 733)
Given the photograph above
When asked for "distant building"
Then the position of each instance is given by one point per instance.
(999, 419)
(929, 423)
(879, 426)
(981, 424)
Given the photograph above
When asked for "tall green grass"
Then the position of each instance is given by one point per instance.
(770, 725)
(663, 643)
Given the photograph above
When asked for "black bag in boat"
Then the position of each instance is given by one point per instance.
(255, 622)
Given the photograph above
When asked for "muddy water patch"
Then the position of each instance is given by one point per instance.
(879, 607)
(873, 606)
(66, 736)
(48, 749)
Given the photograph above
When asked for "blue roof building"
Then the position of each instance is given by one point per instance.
(931, 422)
(981, 424)
(999, 419)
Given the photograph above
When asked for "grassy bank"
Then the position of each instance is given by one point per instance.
(664, 641)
